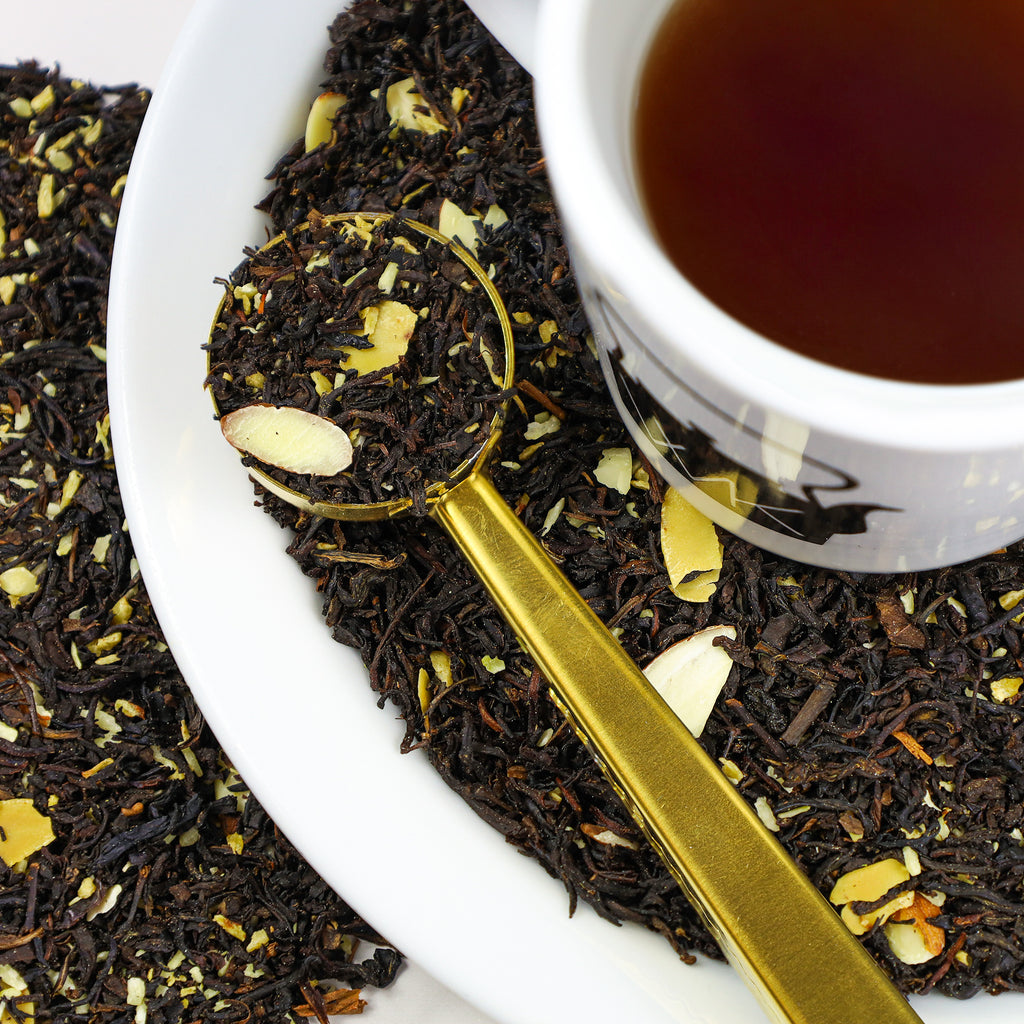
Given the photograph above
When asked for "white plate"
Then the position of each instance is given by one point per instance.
(293, 708)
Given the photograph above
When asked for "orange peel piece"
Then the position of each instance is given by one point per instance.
(911, 935)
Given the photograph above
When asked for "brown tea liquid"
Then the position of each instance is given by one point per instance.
(847, 176)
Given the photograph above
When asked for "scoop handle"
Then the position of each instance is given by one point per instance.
(776, 929)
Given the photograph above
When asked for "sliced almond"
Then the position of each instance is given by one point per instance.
(18, 581)
(23, 830)
(495, 216)
(861, 924)
(423, 689)
(441, 663)
(615, 470)
(320, 121)
(908, 943)
(869, 883)
(766, 814)
(408, 109)
(291, 439)
(389, 329)
(453, 222)
(1006, 689)
(736, 492)
(690, 547)
(690, 675)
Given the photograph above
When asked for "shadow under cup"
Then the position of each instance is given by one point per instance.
(814, 463)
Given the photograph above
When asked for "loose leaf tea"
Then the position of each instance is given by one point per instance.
(866, 718)
(141, 880)
(377, 327)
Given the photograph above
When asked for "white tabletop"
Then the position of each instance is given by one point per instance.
(112, 42)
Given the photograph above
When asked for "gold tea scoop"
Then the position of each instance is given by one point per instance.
(788, 944)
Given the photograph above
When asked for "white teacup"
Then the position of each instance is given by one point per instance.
(812, 462)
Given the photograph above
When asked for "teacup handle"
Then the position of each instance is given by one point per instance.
(778, 931)
(514, 23)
